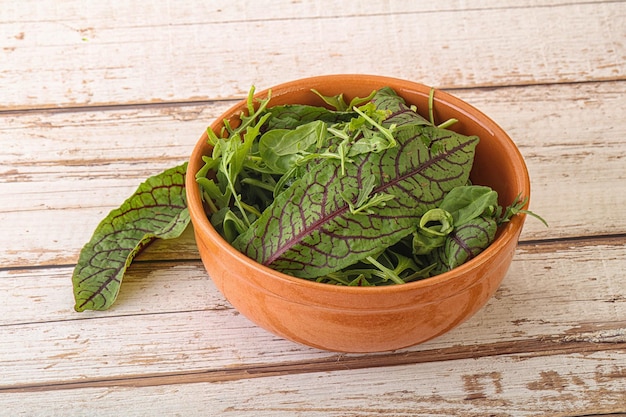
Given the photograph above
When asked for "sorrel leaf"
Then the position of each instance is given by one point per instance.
(309, 230)
(464, 243)
(156, 210)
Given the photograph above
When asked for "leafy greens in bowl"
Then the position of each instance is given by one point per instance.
(408, 199)
(354, 317)
(366, 193)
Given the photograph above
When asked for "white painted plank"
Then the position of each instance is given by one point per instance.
(572, 139)
(74, 53)
(77, 12)
(170, 317)
(61, 168)
(60, 172)
(560, 385)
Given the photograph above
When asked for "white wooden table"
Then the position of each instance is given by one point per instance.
(95, 96)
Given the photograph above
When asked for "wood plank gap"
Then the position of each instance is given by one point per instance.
(72, 265)
(234, 99)
(393, 13)
(600, 415)
(108, 317)
(488, 87)
(617, 239)
(118, 106)
(522, 350)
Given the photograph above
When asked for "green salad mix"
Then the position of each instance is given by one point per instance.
(360, 194)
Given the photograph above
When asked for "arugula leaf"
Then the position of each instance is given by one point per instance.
(156, 210)
(290, 116)
(232, 158)
(229, 158)
(339, 103)
(517, 207)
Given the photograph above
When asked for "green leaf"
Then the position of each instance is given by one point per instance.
(310, 231)
(437, 222)
(434, 226)
(468, 202)
(517, 207)
(464, 243)
(339, 103)
(282, 148)
(336, 101)
(386, 98)
(291, 116)
(156, 210)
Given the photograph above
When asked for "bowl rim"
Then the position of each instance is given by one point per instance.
(506, 233)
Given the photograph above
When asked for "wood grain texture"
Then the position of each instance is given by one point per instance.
(66, 167)
(512, 385)
(170, 317)
(105, 53)
(99, 95)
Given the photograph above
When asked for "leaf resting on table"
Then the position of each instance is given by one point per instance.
(156, 210)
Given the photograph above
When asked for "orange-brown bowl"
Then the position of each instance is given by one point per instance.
(367, 319)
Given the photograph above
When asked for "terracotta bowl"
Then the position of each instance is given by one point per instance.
(368, 319)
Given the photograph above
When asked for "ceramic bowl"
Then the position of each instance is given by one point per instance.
(367, 319)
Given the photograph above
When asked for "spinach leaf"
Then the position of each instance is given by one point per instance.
(280, 149)
(468, 202)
